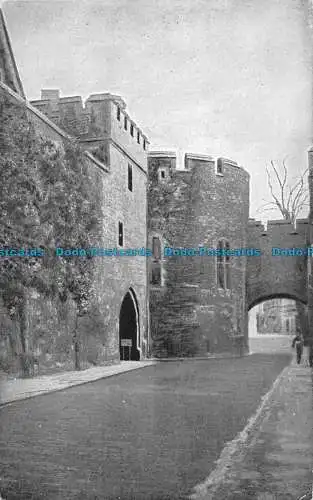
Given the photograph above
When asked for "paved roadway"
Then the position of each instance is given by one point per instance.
(271, 343)
(150, 434)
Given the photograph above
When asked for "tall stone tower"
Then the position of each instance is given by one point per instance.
(118, 150)
(197, 299)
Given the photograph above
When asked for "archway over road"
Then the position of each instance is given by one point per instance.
(273, 322)
(280, 269)
(259, 300)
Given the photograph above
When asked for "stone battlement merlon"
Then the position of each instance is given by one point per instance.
(162, 154)
(107, 96)
(71, 99)
(230, 163)
(279, 226)
(39, 118)
(283, 222)
(42, 121)
(119, 103)
(51, 104)
(257, 224)
(34, 112)
(213, 161)
(200, 157)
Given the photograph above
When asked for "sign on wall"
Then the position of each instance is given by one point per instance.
(126, 343)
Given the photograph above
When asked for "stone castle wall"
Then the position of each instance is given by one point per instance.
(100, 120)
(200, 207)
(190, 312)
(114, 276)
(277, 276)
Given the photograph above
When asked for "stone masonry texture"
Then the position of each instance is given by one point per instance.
(196, 207)
(114, 276)
(187, 313)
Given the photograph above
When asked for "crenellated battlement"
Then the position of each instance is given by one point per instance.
(197, 200)
(280, 268)
(189, 305)
(189, 157)
(279, 227)
(100, 115)
(222, 166)
(202, 186)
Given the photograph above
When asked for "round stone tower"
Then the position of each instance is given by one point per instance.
(197, 298)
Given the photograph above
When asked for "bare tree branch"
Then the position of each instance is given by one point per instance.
(299, 182)
(288, 198)
(272, 192)
(281, 185)
(285, 173)
(295, 202)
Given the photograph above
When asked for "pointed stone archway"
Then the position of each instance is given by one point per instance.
(129, 328)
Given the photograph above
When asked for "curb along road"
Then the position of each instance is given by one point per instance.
(235, 451)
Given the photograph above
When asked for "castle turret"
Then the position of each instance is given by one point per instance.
(98, 123)
(202, 206)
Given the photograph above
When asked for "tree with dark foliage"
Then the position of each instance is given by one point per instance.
(46, 200)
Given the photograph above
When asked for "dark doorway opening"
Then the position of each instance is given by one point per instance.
(129, 329)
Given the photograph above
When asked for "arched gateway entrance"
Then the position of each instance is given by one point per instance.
(129, 328)
(273, 321)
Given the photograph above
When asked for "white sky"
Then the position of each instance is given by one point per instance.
(223, 77)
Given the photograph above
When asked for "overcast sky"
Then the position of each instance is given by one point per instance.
(224, 77)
